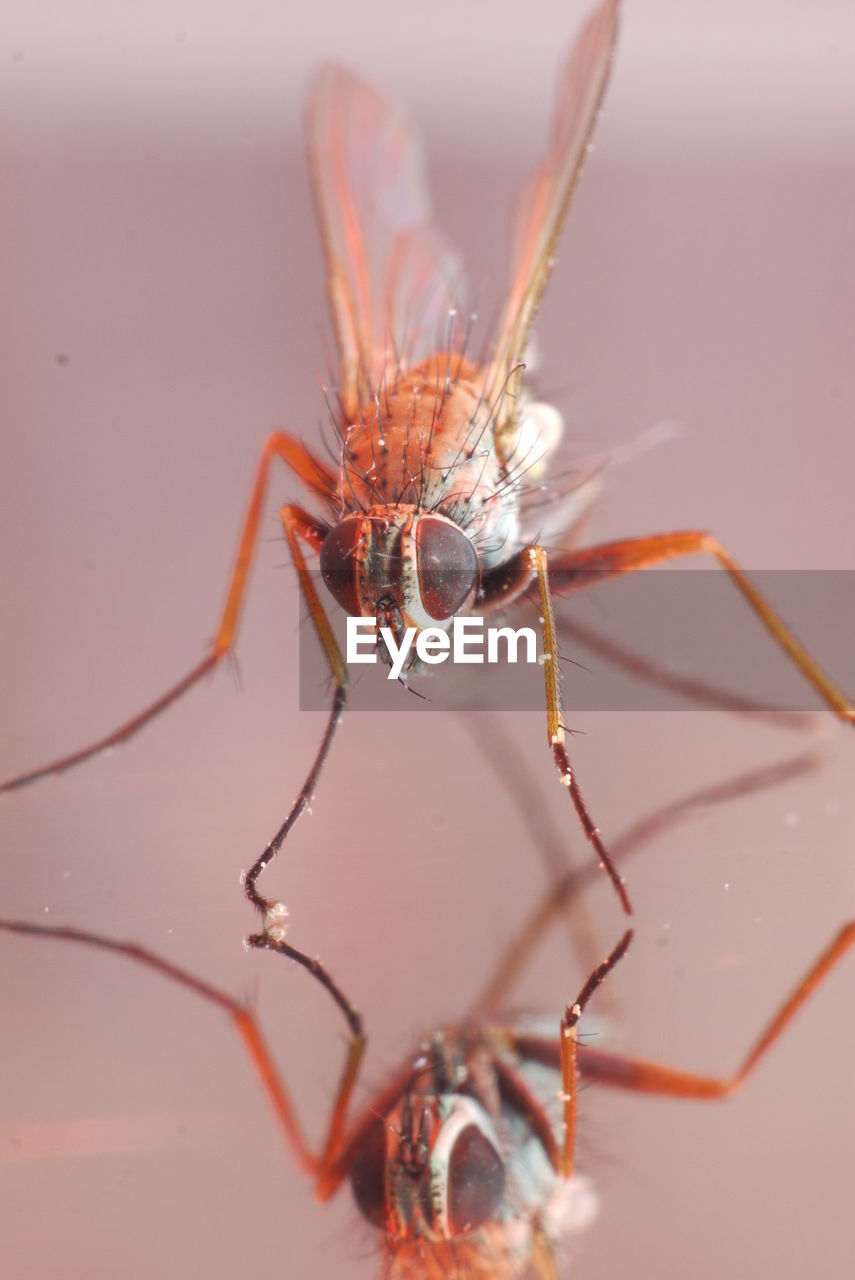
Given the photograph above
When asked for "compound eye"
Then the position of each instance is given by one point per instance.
(447, 566)
(368, 1176)
(338, 563)
(476, 1181)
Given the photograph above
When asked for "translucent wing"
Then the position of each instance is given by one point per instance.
(392, 278)
(544, 199)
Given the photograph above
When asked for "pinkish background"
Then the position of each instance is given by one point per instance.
(158, 235)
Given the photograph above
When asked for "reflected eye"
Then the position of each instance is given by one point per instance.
(476, 1181)
(447, 566)
(368, 1176)
(338, 563)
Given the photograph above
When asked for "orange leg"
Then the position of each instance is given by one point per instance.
(297, 524)
(314, 1164)
(320, 480)
(537, 560)
(580, 569)
(641, 1076)
(651, 1077)
(329, 1165)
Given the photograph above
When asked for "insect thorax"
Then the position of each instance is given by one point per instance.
(429, 442)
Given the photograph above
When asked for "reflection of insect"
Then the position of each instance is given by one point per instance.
(465, 1161)
(429, 513)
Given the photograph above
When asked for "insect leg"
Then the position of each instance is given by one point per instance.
(579, 569)
(317, 477)
(650, 827)
(569, 1048)
(511, 585)
(640, 1076)
(555, 727)
(298, 524)
(518, 783)
(247, 1026)
(330, 1165)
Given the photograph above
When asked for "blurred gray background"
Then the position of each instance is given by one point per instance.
(163, 310)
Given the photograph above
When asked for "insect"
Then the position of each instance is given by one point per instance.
(426, 513)
(465, 1161)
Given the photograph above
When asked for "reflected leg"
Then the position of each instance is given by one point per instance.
(641, 1076)
(312, 1163)
(551, 908)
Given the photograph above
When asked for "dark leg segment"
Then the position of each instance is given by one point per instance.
(274, 914)
(555, 724)
(569, 1041)
(519, 951)
(641, 1076)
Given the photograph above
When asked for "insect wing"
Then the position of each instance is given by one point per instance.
(392, 278)
(544, 198)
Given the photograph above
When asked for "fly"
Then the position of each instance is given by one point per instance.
(466, 1163)
(435, 507)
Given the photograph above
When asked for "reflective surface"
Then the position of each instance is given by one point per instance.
(164, 309)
